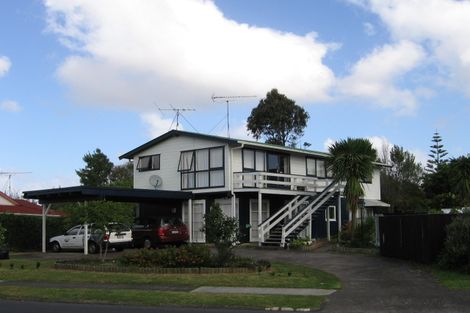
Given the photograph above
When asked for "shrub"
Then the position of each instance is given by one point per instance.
(2, 235)
(456, 252)
(222, 231)
(300, 242)
(364, 234)
(186, 256)
(23, 233)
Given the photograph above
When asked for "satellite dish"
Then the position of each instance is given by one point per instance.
(155, 181)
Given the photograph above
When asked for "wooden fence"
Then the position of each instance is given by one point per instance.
(418, 238)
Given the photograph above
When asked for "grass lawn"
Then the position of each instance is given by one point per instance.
(453, 280)
(281, 275)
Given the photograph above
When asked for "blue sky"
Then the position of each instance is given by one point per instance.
(79, 75)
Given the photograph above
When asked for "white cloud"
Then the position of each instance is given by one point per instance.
(382, 145)
(132, 53)
(369, 29)
(420, 156)
(441, 26)
(10, 106)
(373, 77)
(157, 124)
(5, 65)
(238, 131)
(328, 143)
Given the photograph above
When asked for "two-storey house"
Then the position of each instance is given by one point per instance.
(275, 192)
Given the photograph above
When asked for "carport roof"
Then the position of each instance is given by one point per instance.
(82, 193)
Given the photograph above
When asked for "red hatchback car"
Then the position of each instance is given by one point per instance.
(153, 232)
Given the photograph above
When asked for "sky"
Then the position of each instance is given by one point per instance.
(78, 75)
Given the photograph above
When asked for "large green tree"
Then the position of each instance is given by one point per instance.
(352, 162)
(122, 175)
(97, 169)
(278, 119)
(400, 182)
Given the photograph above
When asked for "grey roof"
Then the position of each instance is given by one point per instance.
(230, 141)
(83, 193)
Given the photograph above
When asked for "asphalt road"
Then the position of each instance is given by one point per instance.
(43, 307)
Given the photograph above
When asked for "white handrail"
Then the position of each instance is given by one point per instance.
(308, 211)
(280, 215)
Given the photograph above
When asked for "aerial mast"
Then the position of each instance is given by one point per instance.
(177, 114)
(228, 99)
(10, 174)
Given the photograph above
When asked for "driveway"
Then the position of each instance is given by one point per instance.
(374, 284)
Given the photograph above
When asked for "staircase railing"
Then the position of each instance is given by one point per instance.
(307, 212)
(286, 211)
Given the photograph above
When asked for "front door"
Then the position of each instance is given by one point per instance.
(254, 220)
(199, 209)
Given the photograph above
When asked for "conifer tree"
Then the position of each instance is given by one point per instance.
(437, 153)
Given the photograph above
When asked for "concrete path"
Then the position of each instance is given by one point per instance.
(375, 284)
(266, 291)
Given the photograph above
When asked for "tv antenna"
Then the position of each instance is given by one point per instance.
(177, 115)
(228, 99)
(10, 174)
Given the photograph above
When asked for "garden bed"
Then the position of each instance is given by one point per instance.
(114, 268)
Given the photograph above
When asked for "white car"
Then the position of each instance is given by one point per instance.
(118, 236)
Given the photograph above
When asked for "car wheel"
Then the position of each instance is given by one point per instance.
(92, 247)
(147, 243)
(55, 246)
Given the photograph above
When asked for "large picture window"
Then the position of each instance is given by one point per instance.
(149, 163)
(202, 168)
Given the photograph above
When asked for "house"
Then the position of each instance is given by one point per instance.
(8, 205)
(275, 192)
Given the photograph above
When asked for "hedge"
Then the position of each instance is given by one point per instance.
(24, 233)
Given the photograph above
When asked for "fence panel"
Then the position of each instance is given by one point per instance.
(418, 238)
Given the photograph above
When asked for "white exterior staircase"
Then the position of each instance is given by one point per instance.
(295, 216)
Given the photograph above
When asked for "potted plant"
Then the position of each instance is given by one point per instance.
(4, 251)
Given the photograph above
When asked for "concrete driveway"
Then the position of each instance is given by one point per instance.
(374, 284)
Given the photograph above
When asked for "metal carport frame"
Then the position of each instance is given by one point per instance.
(82, 193)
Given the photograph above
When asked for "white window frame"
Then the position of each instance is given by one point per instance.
(327, 211)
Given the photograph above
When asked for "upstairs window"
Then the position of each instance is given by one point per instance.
(149, 163)
(202, 168)
(318, 168)
(254, 160)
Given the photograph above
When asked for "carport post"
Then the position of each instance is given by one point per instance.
(190, 219)
(85, 240)
(45, 209)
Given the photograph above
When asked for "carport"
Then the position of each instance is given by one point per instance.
(47, 197)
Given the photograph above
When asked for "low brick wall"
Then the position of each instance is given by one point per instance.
(155, 270)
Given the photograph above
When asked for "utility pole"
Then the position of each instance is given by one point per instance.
(10, 174)
(227, 99)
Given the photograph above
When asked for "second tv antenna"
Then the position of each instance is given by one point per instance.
(228, 99)
(177, 115)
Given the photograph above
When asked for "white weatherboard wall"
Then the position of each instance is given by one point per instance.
(169, 151)
(372, 191)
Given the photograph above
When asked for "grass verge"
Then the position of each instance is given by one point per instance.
(281, 275)
(452, 280)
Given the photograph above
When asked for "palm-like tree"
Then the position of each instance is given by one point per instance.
(352, 161)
